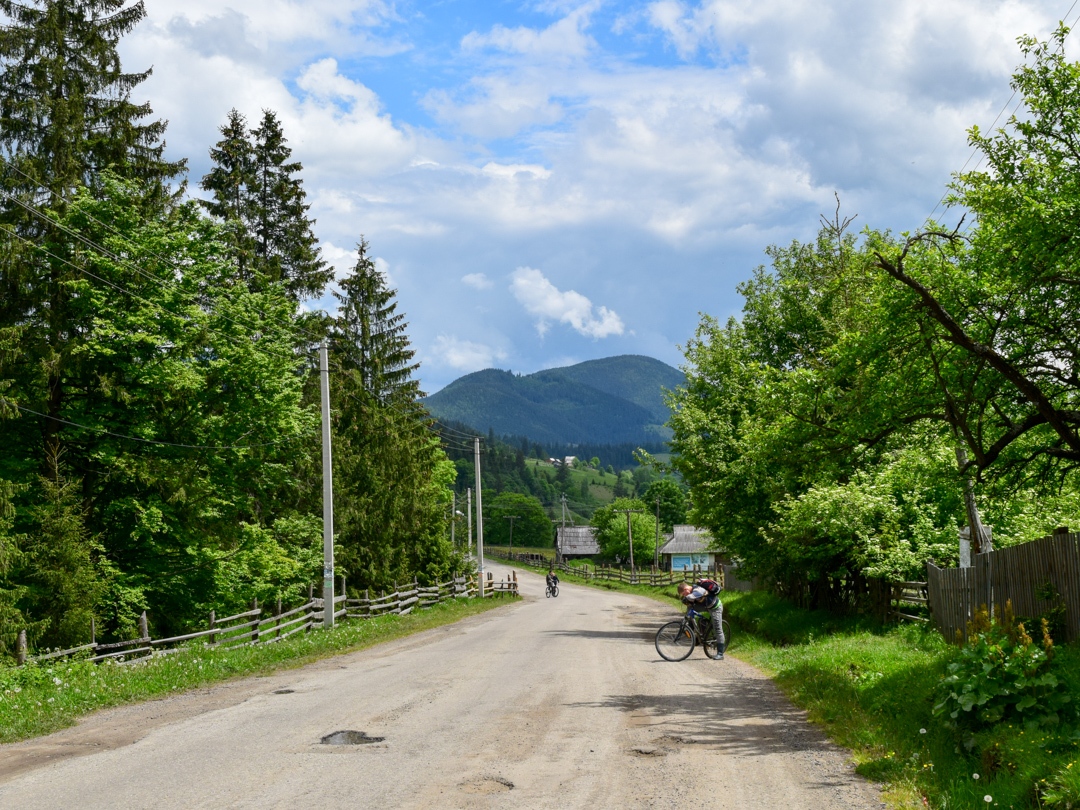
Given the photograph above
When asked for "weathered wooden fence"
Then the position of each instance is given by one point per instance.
(616, 573)
(1037, 577)
(252, 627)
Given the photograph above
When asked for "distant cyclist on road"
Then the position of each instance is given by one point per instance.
(705, 595)
(552, 580)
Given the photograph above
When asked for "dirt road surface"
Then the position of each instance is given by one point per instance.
(546, 703)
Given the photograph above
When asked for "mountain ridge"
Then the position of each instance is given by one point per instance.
(611, 400)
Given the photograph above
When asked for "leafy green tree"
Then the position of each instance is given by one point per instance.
(672, 502)
(611, 534)
(532, 527)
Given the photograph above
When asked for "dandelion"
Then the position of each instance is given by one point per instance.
(922, 730)
(975, 776)
(57, 681)
(988, 798)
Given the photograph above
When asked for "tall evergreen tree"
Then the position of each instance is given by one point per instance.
(65, 101)
(374, 332)
(392, 515)
(257, 190)
(230, 180)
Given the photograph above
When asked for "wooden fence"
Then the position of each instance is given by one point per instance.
(616, 573)
(1037, 577)
(251, 627)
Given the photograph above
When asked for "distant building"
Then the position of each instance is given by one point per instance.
(575, 541)
(688, 546)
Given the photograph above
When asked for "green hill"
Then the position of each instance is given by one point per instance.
(609, 401)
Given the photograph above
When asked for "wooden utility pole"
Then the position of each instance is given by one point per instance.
(511, 518)
(468, 512)
(629, 532)
(656, 548)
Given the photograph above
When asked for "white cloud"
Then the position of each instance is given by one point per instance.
(563, 38)
(464, 355)
(478, 281)
(542, 298)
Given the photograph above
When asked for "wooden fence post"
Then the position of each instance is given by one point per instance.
(20, 649)
(277, 615)
(213, 624)
(144, 627)
(93, 631)
(255, 626)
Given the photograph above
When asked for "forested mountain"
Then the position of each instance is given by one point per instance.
(611, 401)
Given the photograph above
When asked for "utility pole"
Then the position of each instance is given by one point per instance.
(629, 532)
(453, 519)
(479, 518)
(656, 548)
(468, 512)
(328, 492)
(511, 518)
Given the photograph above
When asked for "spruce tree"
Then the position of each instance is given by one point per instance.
(230, 181)
(257, 190)
(391, 516)
(370, 334)
(65, 100)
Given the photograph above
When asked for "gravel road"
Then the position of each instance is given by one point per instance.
(546, 703)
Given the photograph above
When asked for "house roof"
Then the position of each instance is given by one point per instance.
(577, 540)
(687, 540)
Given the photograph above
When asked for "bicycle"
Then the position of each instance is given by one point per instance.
(552, 590)
(677, 639)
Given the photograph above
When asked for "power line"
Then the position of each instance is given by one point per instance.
(177, 266)
(109, 254)
(138, 297)
(975, 150)
(105, 432)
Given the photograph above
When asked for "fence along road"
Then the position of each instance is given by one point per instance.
(546, 703)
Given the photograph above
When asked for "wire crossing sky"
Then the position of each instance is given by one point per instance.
(551, 182)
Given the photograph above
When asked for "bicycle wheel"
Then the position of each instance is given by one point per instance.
(547, 592)
(555, 591)
(675, 640)
(708, 643)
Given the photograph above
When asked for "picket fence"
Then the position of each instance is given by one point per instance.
(1037, 578)
(250, 627)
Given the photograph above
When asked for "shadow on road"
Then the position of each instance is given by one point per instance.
(742, 717)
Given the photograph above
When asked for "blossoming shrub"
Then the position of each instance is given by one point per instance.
(1002, 674)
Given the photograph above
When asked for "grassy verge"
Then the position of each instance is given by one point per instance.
(871, 690)
(38, 699)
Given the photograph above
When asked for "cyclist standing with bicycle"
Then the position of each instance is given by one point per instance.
(705, 595)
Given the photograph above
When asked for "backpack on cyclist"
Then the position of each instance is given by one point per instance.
(712, 587)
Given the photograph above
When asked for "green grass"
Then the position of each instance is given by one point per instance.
(39, 699)
(871, 688)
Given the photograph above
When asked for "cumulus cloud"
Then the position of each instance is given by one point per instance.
(478, 281)
(465, 355)
(564, 38)
(543, 299)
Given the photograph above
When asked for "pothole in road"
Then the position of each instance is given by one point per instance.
(650, 751)
(350, 738)
(284, 691)
(487, 784)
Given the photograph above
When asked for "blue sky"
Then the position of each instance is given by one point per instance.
(550, 182)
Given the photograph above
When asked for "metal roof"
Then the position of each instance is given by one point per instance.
(577, 540)
(687, 540)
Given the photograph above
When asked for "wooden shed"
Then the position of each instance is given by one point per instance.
(688, 546)
(575, 541)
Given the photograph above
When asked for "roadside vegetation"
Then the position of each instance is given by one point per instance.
(41, 698)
